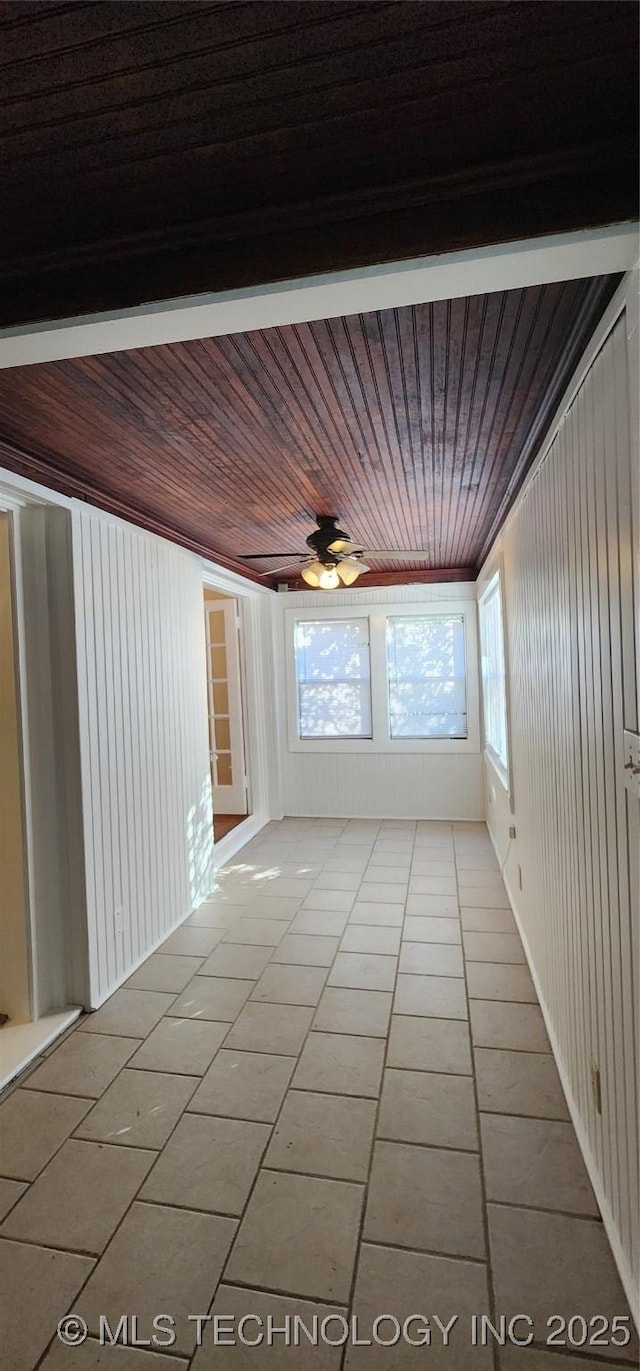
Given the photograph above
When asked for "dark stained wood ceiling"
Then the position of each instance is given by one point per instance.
(149, 150)
(413, 425)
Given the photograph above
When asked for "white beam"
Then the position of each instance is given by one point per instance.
(506, 266)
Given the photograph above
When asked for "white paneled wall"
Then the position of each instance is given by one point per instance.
(393, 785)
(572, 869)
(143, 740)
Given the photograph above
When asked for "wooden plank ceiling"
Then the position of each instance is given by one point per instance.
(149, 150)
(413, 425)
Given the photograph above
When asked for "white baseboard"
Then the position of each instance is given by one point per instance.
(610, 1226)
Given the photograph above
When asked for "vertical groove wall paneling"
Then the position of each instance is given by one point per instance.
(568, 568)
(143, 737)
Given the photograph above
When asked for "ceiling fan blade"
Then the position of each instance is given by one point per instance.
(261, 556)
(395, 554)
(274, 569)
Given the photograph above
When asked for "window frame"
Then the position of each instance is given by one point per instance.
(381, 741)
(494, 585)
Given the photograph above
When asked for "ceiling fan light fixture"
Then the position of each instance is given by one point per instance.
(329, 578)
(349, 570)
(312, 573)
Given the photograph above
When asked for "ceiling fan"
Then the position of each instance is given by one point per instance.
(333, 558)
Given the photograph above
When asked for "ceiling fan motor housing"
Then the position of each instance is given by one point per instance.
(326, 534)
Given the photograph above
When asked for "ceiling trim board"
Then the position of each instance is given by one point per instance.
(446, 276)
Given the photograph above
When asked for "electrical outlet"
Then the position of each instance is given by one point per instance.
(596, 1085)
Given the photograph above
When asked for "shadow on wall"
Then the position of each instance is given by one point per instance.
(200, 845)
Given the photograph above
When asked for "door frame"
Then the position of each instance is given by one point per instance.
(234, 651)
(256, 612)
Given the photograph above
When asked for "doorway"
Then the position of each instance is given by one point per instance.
(225, 698)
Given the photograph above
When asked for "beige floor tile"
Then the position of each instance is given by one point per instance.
(80, 1197)
(266, 906)
(319, 922)
(347, 859)
(433, 885)
(422, 1107)
(387, 875)
(211, 997)
(38, 1286)
(431, 930)
(236, 961)
(493, 947)
(424, 866)
(388, 843)
(427, 1199)
(549, 1264)
(181, 1046)
(192, 942)
(490, 880)
(363, 971)
(234, 1303)
(84, 1064)
(519, 1027)
(333, 901)
(499, 981)
(91, 1356)
(163, 971)
(291, 887)
(392, 1280)
(400, 861)
(299, 1235)
(385, 892)
(354, 1011)
(431, 959)
(437, 997)
(271, 1028)
(160, 1260)
(32, 1128)
(323, 1135)
(128, 1013)
(483, 896)
(282, 984)
(370, 912)
(244, 1085)
(534, 1359)
(306, 950)
(536, 1162)
(140, 1109)
(215, 916)
(337, 880)
(378, 939)
(209, 1164)
(488, 921)
(433, 906)
(430, 1045)
(257, 932)
(337, 1063)
(484, 860)
(10, 1192)
(519, 1083)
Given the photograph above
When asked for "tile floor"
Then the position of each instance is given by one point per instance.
(330, 1093)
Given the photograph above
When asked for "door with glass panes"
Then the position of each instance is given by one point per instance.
(224, 687)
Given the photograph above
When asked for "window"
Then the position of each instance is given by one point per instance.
(426, 677)
(494, 695)
(333, 676)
